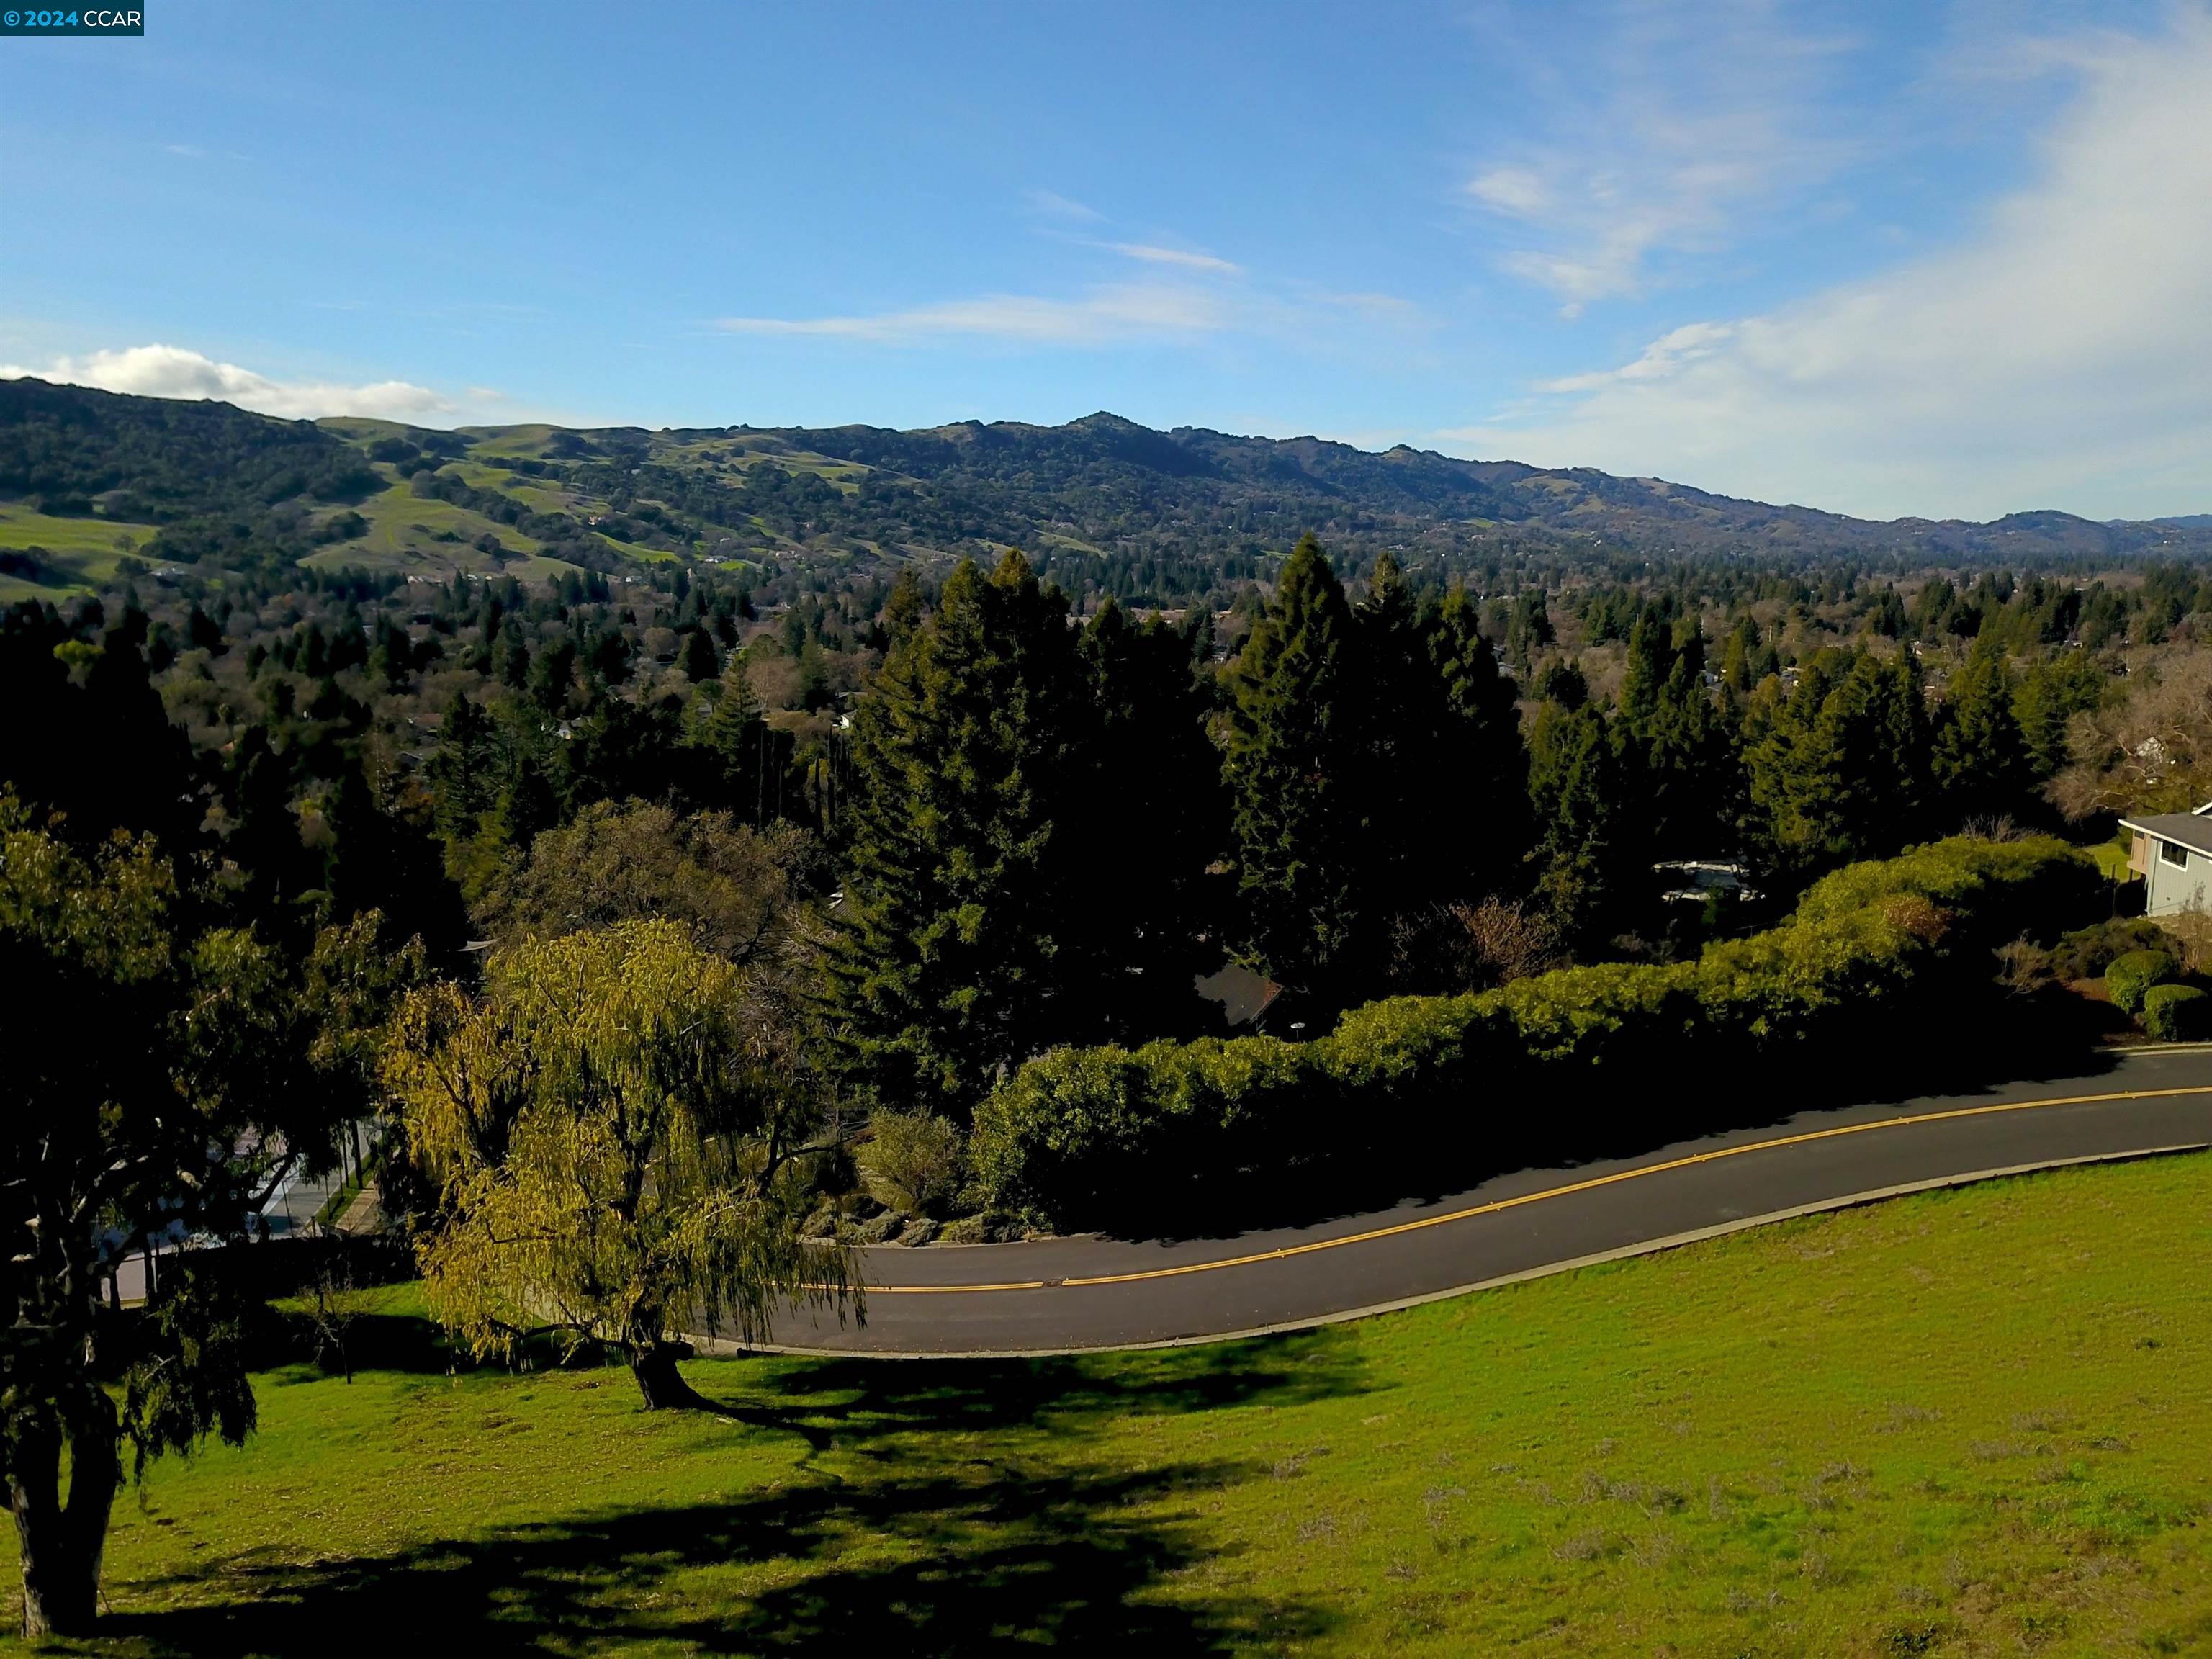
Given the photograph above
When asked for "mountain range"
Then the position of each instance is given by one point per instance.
(88, 477)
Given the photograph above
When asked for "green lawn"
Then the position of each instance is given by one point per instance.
(1977, 1422)
(2111, 860)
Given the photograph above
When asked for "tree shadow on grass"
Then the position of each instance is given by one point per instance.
(856, 1405)
(943, 1537)
(975, 1562)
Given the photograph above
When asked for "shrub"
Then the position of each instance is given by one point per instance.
(918, 1153)
(1081, 1137)
(883, 1228)
(2177, 1013)
(2087, 953)
(2131, 976)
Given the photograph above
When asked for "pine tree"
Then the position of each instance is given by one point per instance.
(1529, 629)
(698, 659)
(1154, 819)
(904, 607)
(947, 965)
(1838, 770)
(2049, 696)
(1980, 764)
(1650, 660)
(1482, 761)
(1294, 769)
(1576, 788)
(1402, 781)
(1680, 755)
(732, 739)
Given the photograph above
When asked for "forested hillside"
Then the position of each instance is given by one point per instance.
(1103, 505)
(442, 675)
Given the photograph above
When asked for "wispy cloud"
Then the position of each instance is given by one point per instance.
(166, 371)
(1061, 207)
(190, 152)
(1691, 116)
(1151, 254)
(1666, 355)
(1116, 313)
(2061, 354)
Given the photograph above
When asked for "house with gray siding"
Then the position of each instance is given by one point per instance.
(2172, 853)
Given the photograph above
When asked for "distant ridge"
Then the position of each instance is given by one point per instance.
(1100, 485)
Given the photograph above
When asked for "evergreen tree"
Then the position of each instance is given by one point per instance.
(1651, 661)
(1981, 764)
(1528, 629)
(1838, 769)
(553, 676)
(2049, 696)
(947, 966)
(1404, 776)
(97, 746)
(1561, 682)
(736, 748)
(905, 607)
(698, 657)
(463, 784)
(1294, 769)
(377, 859)
(1155, 818)
(1481, 757)
(1680, 753)
(1576, 788)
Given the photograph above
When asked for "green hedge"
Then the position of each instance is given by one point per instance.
(2175, 1013)
(1566, 1063)
(2133, 975)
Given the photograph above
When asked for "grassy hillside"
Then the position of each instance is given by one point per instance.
(79, 553)
(1974, 1423)
(1107, 504)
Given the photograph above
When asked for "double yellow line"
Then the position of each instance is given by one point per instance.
(1496, 1205)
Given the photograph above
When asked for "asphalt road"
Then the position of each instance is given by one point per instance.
(1056, 1295)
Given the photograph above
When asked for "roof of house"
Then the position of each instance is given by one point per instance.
(1244, 995)
(2190, 829)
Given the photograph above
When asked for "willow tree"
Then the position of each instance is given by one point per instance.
(621, 1132)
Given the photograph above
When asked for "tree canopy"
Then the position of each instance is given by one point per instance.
(621, 1138)
(163, 1073)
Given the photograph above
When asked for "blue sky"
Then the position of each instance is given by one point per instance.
(1944, 260)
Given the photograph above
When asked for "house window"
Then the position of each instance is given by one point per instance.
(2172, 852)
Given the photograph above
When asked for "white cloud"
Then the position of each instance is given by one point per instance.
(1061, 207)
(1664, 356)
(1693, 115)
(2059, 356)
(165, 371)
(1151, 254)
(1123, 311)
(1511, 190)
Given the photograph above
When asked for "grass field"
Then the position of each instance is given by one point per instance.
(84, 549)
(1976, 1423)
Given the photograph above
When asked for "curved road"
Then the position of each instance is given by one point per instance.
(1057, 1295)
